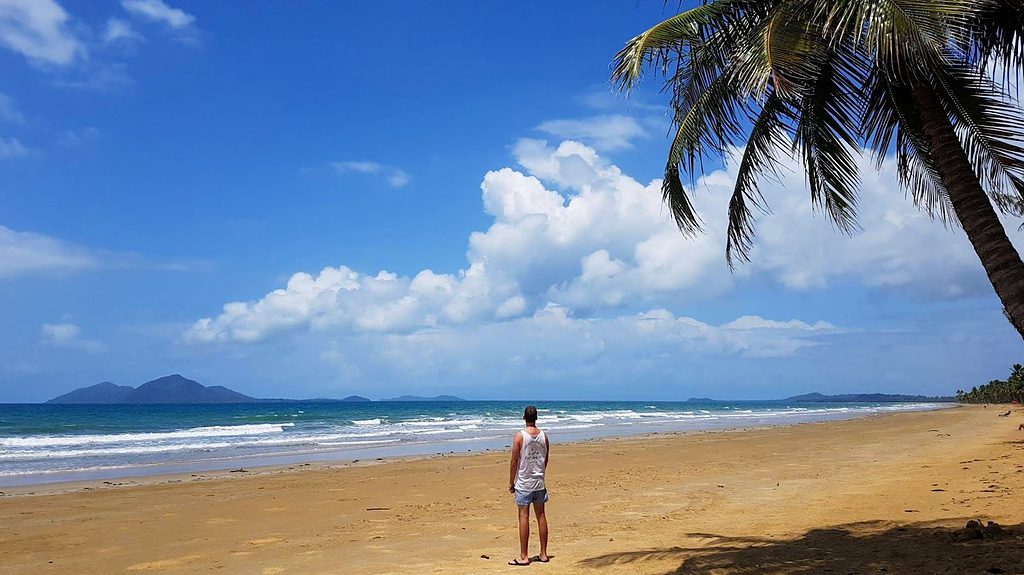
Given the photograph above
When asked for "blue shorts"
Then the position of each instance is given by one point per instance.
(527, 497)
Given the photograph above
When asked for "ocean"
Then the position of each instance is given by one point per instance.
(42, 443)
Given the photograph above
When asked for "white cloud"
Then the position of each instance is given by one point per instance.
(12, 148)
(158, 11)
(98, 77)
(395, 177)
(899, 249)
(553, 354)
(605, 132)
(38, 30)
(572, 234)
(26, 252)
(79, 137)
(67, 335)
(118, 30)
(9, 111)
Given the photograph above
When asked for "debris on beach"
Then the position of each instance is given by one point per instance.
(976, 530)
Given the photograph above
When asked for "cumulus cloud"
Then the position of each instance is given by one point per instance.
(572, 232)
(900, 248)
(39, 31)
(606, 132)
(158, 11)
(551, 339)
(68, 335)
(395, 177)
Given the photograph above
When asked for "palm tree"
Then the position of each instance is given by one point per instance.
(826, 79)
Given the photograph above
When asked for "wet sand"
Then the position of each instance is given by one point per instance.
(884, 494)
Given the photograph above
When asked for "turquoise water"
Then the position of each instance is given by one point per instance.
(44, 443)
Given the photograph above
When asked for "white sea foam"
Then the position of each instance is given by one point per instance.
(440, 421)
(364, 442)
(584, 426)
(117, 438)
(56, 453)
(133, 450)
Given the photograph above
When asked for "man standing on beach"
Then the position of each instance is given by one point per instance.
(530, 454)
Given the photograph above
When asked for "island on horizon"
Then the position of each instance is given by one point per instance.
(178, 389)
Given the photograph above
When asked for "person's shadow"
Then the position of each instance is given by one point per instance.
(857, 548)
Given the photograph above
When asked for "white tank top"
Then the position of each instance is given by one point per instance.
(532, 456)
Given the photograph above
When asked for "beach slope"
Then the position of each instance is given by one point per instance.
(874, 495)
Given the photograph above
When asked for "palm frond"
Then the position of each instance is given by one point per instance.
(907, 37)
(709, 126)
(657, 45)
(679, 204)
(767, 137)
(826, 137)
(997, 38)
(892, 122)
(989, 128)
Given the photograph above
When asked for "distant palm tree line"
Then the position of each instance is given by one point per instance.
(997, 390)
(930, 82)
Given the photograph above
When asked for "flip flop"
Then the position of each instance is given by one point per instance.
(517, 563)
(539, 560)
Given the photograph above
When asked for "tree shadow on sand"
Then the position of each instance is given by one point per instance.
(856, 548)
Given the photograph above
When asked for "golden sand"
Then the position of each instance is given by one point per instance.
(884, 494)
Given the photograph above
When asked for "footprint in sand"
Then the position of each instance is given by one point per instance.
(164, 563)
(265, 541)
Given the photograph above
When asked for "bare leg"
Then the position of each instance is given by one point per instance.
(542, 526)
(524, 532)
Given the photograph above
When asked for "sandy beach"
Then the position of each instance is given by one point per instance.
(873, 495)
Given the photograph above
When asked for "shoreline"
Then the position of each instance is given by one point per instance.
(886, 491)
(138, 472)
(240, 470)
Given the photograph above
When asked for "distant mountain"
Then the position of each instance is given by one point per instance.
(167, 389)
(871, 397)
(356, 398)
(105, 392)
(418, 398)
(179, 389)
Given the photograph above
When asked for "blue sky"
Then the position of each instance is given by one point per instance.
(385, 198)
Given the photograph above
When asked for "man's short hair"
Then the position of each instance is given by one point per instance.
(530, 414)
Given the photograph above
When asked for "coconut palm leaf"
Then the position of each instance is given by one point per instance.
(660, 43)
(893, 125)
(997, 38)
(906, 36)
(988, 126)
(826, 138)
(836, 75)
(768, 137)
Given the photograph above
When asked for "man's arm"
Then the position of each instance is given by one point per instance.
(547, 450)
(517, 446)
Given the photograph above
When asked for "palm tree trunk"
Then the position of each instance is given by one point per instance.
(973, 208)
